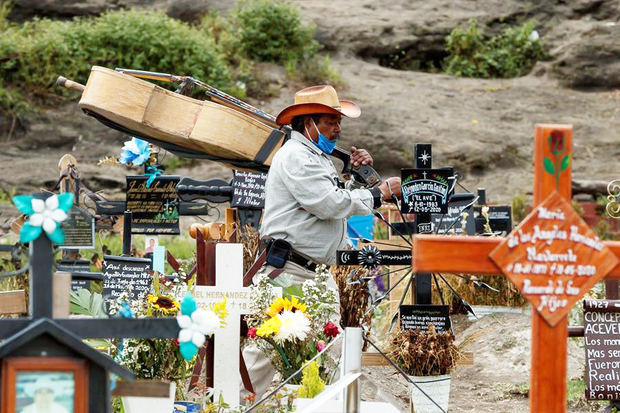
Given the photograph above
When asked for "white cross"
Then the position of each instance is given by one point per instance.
(228, 282)
(424, 173)
(424, 157)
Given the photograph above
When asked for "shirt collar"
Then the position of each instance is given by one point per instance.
(301, 138)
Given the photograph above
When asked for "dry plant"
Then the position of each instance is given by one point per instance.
(423, 354)
(508, 294)
(354, 295)
(250, 238)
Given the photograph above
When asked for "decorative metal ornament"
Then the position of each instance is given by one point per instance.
(370, 256)
(613, 199)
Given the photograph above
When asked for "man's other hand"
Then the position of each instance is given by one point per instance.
(360, 157)
(394, 186)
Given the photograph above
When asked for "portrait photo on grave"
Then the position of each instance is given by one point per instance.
(45, 392)
(44, 385)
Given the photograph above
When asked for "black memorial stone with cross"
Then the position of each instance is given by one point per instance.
(42, 337)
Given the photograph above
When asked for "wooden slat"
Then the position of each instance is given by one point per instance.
(13, 302)
(142, 388)
(462, 254)
(441, 253)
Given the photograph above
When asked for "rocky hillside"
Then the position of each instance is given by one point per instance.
(483, 128)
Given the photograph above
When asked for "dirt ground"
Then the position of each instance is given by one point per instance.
(497, 381)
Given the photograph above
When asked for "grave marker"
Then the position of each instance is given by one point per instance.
(248, 189)
(154, 208)
(79, 230)
(420, 316)
(126, 274)
(229, 283)
(602, 342)
(552, 154)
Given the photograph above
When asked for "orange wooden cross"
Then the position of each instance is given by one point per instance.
(552, 257)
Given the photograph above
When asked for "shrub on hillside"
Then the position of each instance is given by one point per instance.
(32, 55)
(512, 53)
(272, 31)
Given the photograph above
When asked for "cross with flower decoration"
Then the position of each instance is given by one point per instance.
(553, 257)
(43, 227)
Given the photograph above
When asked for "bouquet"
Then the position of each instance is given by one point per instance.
(166, 359)
(292, 330)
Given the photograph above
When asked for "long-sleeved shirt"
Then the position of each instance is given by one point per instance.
(303, 203)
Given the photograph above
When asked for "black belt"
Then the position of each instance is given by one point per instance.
(294, 256)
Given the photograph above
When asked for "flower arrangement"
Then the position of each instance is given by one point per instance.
(294, 329)
(165, 359)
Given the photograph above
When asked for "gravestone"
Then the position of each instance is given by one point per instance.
(500, 219)
(79, 230)
(248, 189)
(602, 345)
(418, 316)
(155, 208)
(74, 267)
(229, 284)
(451, 221)
(126, 274)
(426, 191)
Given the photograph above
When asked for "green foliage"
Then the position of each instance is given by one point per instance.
(83, 302)
(314, 71)
(7, 196)
(311, 382)
(519, 208)
(512, 53)
(272, 31)
(40, 50)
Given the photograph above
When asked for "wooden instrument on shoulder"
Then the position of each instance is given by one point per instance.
(224, 128)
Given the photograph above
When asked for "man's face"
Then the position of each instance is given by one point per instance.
(43, 397)
(328, 125)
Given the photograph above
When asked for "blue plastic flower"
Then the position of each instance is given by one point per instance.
(136, 151)
(195, 324)
(44, 216)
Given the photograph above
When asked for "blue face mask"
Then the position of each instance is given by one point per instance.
(323, 143)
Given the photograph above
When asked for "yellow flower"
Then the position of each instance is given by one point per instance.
(162, 303)
(219, 308)
(284, 304)
(269, 327)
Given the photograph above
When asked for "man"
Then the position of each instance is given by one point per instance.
(306, 206)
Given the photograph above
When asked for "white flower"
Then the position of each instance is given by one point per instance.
(47, 214)
(533, 36)
(201, 323)
(294, 325)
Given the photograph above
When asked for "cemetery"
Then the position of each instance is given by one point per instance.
(194, 219)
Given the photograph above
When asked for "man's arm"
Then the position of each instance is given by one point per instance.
(312, 186)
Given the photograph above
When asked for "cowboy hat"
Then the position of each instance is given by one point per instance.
(315, 100)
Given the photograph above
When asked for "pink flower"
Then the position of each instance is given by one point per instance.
(252, 332)
(331, 329)
(320, 345)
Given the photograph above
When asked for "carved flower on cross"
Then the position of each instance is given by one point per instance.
(44, 215)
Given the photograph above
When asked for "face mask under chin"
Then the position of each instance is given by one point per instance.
(323, 143)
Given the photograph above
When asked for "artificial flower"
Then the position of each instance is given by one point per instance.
(195, 324)
(164, 304)
(45, 215)
(252, 332)
(331, 329)
(136, 151)
(294, 325)
(320, 345)
(269, 327)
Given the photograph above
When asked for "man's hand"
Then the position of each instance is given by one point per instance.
(394, 186)
(360, 157)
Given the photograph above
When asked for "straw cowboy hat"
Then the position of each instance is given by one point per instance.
(316, 100)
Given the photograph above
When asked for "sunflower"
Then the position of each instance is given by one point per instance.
(164, 304)
(284, 304)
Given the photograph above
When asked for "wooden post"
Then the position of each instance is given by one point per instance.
(61, 296)
(549, 350)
